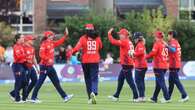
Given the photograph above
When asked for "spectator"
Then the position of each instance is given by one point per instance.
(2, 52)
(9, 55)
(68, 53)
(74, 59)
(61, 55)
(109, 59)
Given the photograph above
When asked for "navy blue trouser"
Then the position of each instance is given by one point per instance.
(139, 79)
(174, 80)
(30, 75)
(91, 77)
(32, 79)
(51, 73)
(126, 73)
(160, 84)
(20, 82)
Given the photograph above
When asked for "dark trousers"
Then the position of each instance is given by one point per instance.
(126, 73)
(51, 73)
(32, 79)
(91, 77)
(160, 84)
(139, 79)
(174, 80)
(20, 82)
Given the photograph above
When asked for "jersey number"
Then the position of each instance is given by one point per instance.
(91, 45)
(165, 53)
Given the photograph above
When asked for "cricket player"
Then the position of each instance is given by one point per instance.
(90, 45)
(159, 54)
(126, 62)
(175, 65)
(19, 70)
(30, 60)
(46, 54)
(139, 56)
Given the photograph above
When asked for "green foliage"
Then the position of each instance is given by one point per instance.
(6, 36)
(102, 23)
(146, 22)
(186, 36)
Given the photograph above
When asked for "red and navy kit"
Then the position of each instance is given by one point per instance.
(46, 52)
(125, 45)
(30, 55)
(160, 55)
(140, 55)
(175, 57)
(90, 49)
(160, 65)
(174, 67)
(140, 67)
(19, 73)
(19, 53)
(126, 61)
(90, 60)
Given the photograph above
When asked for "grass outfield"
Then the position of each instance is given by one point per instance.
(52, 101)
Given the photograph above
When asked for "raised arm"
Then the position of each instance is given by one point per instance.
(112, 40)
(61, 41)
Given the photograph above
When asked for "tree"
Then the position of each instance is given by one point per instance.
(6, 36)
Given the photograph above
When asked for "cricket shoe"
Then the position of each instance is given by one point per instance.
(136, 100)
(151, 100)
(68, 98)
(114, 99)
(165, 101)
(93, 98)
(20, 102)
(142, 99)
(36, 101)
(89, 101)
(184, 99)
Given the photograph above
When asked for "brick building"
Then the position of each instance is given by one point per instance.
(40, 12)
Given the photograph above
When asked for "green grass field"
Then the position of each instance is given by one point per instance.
(52, 101)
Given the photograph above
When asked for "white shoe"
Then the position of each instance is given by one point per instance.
(142, 99)
(114, 99)
(184, 99)
(151, 100)
(89, 101)
(36, 101)
(11, 97)
(93, 98)
(28, 100)
(136, 100)
(165, 101)
(20, 102)
(68, 98)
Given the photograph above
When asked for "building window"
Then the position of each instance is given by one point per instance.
(187, 10)
(184, 4)
(24, 22)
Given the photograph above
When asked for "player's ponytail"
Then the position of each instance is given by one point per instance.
(43, 39)
(92, 34)
(17, 36)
